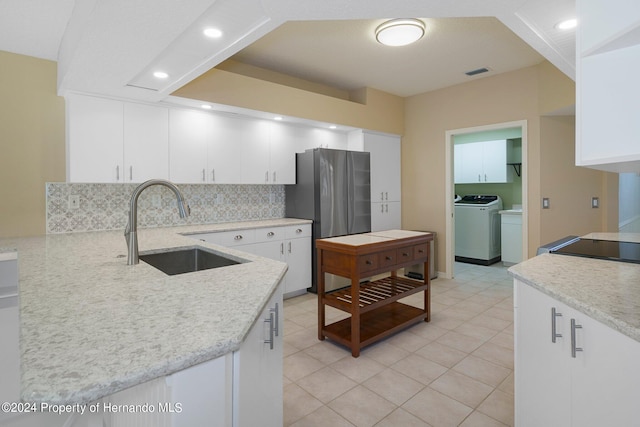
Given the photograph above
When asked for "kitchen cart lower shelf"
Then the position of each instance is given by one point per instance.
(375, 324)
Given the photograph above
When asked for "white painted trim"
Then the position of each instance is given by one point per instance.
(449, 189)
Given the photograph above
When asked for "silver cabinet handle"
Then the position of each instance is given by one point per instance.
(266, 176)
(238, 237)
(213, 175)
(271, 234)
(299, 230)
(274, 176)
(203, 175)
(386, 208)
(381, 208)
(574, 349)
(485, 177)
(270, 340)
(386, 195)
(554, 315)
(118, 173)
(130, 173)
(289, 247)
(276, 311)
(282, 248)
(382, 195)
(479, 180)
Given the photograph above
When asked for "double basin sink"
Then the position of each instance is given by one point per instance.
(186, 260)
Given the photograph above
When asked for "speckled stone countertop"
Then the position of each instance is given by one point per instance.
(90, 325)
(607, 291)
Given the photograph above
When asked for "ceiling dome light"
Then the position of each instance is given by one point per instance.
(400, 32)
(206, 106)
(278, 118)
(160, 75)
(569, 24)
(213, 33)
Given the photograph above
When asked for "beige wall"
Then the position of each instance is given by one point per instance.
(32, 142)
(375, 110)
(517, 95)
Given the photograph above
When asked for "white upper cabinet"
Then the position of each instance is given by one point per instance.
(146, 142)
(254, 151)
(608, 46)
(385, 166)
(223, 158)
(482, 162)
(189, 133)
(94, 139)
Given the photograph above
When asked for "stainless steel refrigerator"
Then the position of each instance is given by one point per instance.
(333, 188)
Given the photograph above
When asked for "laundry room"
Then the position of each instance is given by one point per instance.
(488, 196)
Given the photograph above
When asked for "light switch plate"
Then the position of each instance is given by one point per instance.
(595, 202)
(545, 203)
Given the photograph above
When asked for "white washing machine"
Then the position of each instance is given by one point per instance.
(478, 229)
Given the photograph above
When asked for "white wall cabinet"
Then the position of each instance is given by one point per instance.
(385, 216)
(111, 141)
(596, 387)
(482, 162)
(290, 244)
(608, 46)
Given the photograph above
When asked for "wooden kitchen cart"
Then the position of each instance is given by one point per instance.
(377, 312)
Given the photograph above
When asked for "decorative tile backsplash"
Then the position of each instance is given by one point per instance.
(106, 206)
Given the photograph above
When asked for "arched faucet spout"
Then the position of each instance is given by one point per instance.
(131, 231)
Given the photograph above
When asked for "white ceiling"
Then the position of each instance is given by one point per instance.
(111, 47)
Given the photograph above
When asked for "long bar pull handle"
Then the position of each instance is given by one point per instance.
(266, 176)
(574, 349)
(386, 195)
(282, 248)
(203, 175)
(213, 175)
(276, 311)
(270, 322)
(130, 173)
(274, 176)
(479, 180)
(289, 247)
(118, 173)
(554, 316)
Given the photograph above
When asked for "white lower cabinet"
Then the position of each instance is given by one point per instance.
(587, 377)
(290, 244)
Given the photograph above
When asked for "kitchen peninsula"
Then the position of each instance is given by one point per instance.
(577, 339)
(92, 326)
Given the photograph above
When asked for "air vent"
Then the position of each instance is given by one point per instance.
(478, 71)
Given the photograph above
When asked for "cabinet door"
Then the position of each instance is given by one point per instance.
(468, 163)
(274, 249)
(94, 139)
(257, 372)
(253, 142)
(605, 376)
(146, 142)
(385, 166)
(385, 216)
(298, 253)
(542, 370)
(494, 161)
(189, 133)
(224, 158)
(284, 142)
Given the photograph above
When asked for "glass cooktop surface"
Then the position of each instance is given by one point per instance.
(603, 249)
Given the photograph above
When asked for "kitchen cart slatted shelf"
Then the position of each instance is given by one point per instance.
(377, 312)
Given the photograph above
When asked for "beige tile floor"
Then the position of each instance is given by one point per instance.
(456, 370)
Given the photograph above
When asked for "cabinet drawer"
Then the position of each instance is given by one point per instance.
(420, 251)
(227, 238)
(367, 263)
(269, 234)
(404, 254)
(297, 231)
(388, 258)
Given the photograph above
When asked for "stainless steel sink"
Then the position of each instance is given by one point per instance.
(186, 260)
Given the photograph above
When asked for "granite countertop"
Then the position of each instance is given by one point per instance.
(605, 290)
(90, 325)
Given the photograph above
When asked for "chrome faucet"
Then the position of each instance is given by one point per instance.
(130, 233)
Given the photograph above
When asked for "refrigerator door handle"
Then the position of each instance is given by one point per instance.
(350, 193)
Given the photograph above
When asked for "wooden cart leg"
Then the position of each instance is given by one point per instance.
(427, 292)
(355, 316)
(321, 312)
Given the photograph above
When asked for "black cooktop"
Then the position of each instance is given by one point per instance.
(603, 249)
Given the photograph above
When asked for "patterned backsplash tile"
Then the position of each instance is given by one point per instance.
(106, 206)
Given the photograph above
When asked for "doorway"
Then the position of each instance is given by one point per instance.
(450, 137)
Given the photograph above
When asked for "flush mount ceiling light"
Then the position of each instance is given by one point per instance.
(160, 75)
(567, 25)
(400, 32)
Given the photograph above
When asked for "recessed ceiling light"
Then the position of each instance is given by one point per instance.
(213, 33)
(567, 24)
(333, 127)
(206, 106)
(277, 118)
(160, 74)
(400, 32)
